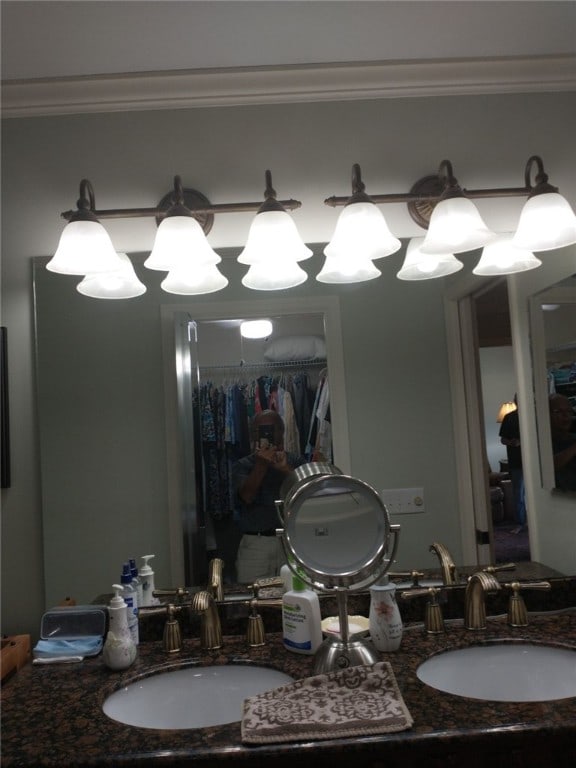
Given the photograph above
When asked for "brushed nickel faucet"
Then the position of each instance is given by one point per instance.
(203, 603)
(449, 573)
(479, 585)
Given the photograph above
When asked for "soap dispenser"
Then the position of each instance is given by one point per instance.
(384, 618)
(147, 579)
(119, 649)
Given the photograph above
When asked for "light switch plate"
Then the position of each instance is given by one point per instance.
(403, 501)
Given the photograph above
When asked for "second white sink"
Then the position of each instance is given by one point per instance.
(503, 672)
(191, 697)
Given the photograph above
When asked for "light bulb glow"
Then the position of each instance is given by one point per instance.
(194, 280)
(273, 237)
(456, 226)
(362, 232)
(121, 283)
(342, 270)
(84, 248)
(424, 266)
(180, 239)
(546, 221)
(502, 258)
(255, 329)
(263, 276)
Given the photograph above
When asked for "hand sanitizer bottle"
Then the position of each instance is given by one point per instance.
(136, 583)
(384, 618)
(119, 649)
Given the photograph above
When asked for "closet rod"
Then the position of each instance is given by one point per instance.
(242, 366)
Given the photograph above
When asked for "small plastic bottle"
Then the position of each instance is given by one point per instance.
(119, 650)
(136, 583)
(301, 619)
(384, 618)
(147, 579)
(131, 599)
(286, 574)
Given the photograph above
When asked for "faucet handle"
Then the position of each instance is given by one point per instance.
(178, 592)
(499, 567)
(414, 576)
(517, 613)
(433, 618)
(172, 637)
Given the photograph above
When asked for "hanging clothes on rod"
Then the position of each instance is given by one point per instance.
(229, 399)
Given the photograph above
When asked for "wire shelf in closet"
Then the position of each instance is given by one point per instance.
(242, 365)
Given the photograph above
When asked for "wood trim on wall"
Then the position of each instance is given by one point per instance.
(286, 84)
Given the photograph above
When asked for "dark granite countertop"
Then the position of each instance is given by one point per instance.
(51, 715)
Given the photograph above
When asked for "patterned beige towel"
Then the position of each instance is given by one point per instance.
(358, 701)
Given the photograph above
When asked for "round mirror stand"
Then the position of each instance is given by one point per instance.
(337, 533)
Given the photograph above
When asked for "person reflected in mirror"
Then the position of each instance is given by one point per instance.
(563, 432)
(510, 437)
(256, 480)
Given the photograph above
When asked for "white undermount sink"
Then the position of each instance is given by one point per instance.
(503, 672)
(191, 697)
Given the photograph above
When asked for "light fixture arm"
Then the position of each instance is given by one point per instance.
(176, 200)
(429, 190)
(542, 186)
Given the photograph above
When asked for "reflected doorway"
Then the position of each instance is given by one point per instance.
(508, 530)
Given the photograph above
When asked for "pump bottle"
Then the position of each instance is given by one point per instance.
(147, 579)
(384, 618)
(301, 619)
(119, 649)
(136, 583)
(131, 599)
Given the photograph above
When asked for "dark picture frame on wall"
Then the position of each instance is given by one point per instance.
(4, 410)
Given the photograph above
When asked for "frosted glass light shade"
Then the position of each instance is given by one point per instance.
(255, 329)
(362, 232)
(456, 226)
(547, 221)
(179, 238)
(194, 279)
(273, 237)
(84, 247)
(121, 283)
(265, 276)
(426, 266)
(502, 258)
(342, 270)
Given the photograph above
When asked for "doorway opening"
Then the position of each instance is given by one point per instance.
(509, 530)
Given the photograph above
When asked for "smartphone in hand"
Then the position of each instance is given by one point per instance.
(265, 435)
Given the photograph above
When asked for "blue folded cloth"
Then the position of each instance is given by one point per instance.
(90, 645)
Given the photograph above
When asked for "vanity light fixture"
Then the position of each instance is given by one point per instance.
(438, 203)
(121, 283)
(181, 249)
(424, 266)
(502, 257)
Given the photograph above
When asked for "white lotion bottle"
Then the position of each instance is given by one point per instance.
(119, 650)
(147, 580)
(384, 618)
(301, 619)
(131, 599)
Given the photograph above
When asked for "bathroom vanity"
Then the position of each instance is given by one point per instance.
(52, 715)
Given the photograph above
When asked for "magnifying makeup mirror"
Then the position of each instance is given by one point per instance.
(337, 530)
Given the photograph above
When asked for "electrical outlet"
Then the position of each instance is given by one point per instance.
(403, 501)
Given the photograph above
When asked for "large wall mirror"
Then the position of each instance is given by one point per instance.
(114, 461)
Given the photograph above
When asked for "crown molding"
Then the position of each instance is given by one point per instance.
(286, 85)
